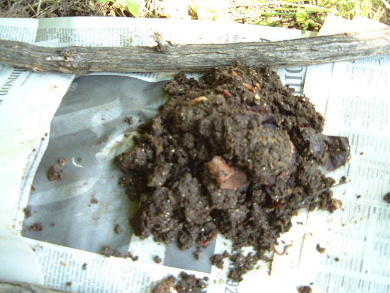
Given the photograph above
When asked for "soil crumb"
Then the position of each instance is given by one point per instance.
(128, 120)
(93, 201)
(335, 204)
(185, 284)
(118, 229)
(241, 264)
(218, 259)
(110, 251)
(189, 283)
(343, 180)
(320, 248)
(62, 161)
(305, 289)
(236, 153)
(157, 259)
(386, 197)
(132, 256)
(27, 212)
(166, 285)
(198, 252)
(36, 227)
(55, 172)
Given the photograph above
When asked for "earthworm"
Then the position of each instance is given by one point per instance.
(285, 249)
(197, 100)
(249, 87)
(226, 93)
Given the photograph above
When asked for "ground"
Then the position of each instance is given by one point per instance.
(300, 14)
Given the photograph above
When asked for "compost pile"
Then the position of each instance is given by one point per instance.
(236, 153)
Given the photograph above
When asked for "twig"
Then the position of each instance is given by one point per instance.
(308, 51)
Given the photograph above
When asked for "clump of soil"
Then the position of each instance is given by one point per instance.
(305, 289)
(157, 259)
(55, 173)
(110, 251)
(118, 229)
(239, 263)
(242, 264)
(320, 249)
(235, 153)
(27, 212)
(386, 197)
(165, 285)
(186, 283)
(218, 259)
(36, 227)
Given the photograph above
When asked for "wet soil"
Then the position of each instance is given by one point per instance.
(235, 153)
(185, 284)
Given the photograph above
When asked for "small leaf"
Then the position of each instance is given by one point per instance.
(301, 15)
(133, 7)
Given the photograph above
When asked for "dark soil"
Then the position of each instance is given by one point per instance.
(62, 161)
(36, 227)
(118, 229)
(166, 285)
(157, 259)
(235, 153)
(305, 289)
(218, 259)
(386, 197)
(55, 172)
(198, 252)
(27, 212)
(241, 264)
(320, 249)
(186, 284)
(110, 251)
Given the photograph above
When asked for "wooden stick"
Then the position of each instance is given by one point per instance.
(307, 51)
(6, 287)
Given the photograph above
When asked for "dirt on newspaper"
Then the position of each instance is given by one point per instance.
(236, 153)
(185, 284)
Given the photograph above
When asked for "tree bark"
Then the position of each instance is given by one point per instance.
(307, 51)
(6, 287)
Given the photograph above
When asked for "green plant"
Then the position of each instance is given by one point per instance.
(349, 9)
(310, 14)
(39, 7)
(131, 5)
(293, 14)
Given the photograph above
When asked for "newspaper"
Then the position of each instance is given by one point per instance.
(84, 211)
(353, 98)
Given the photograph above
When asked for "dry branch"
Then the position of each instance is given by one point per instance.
(308, 51)
(7, 287)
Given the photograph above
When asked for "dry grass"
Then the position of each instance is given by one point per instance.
(56, 8)
(285, 13)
